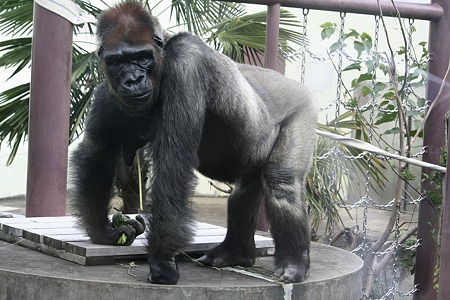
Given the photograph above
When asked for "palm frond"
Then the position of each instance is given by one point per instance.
(198, 15)
(85, 77)
(245, 36)
(14, 117)
(17, 53)
(16, 17)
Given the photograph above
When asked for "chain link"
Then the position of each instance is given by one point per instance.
(342, 159)
(304, 47)
(333, 187)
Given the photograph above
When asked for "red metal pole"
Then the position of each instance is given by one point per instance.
(49, 114)
(434, 139)
(270, 62)
(409, 10)
(272, 34)
(444, 266)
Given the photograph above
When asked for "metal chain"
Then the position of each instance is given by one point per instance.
(371, 123)
(337, 110)
(341, 159)
(303, 54)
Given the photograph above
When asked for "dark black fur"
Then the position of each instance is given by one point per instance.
(234, 123)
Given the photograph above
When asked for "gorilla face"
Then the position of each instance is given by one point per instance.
(128, 71)
(133, 75)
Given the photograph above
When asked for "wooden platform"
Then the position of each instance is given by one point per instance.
(60, 237)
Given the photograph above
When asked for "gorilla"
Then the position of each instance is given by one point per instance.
(193, 108)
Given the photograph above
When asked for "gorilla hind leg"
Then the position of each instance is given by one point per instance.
(238, 247)
(284, 177)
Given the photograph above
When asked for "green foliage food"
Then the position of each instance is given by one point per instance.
(120, 220)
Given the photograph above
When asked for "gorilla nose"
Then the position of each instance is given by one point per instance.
(133, 80)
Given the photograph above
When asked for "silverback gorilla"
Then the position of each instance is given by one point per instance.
(194, 109)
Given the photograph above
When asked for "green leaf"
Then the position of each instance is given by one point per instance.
(401, 51)
(120, 220)
(16, 52)
(359, 47)
(421, 102)
(389, 95)
(361, 78)
(327, 24)
(386, 118)
(351, 33)
(366, 90)
(16, 17)
(394, 130)
(14, 117)
(379, 86)
(244, 36)
(122, 240)
(383, 68)
(354, 66)
(327, 32)
(367, 41)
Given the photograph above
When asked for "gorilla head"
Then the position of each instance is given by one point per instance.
(131, 55)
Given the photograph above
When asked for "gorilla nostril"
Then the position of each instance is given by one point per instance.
(140, 79)
(133, 80)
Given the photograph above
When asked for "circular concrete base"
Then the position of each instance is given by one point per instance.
(27, 274)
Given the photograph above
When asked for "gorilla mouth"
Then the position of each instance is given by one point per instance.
(138, 99)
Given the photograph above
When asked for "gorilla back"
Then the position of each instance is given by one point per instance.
(195, 109)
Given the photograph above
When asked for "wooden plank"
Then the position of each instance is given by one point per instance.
(17, 229)
(59, 241)
(199, 243)
(60, 237)
(36, 225)
(89, 249)
(17, 224)
(210, 232)
(56, 231)
(36, 220)
(44, 249)
(200, 225)
(37, 235)
(12, 230)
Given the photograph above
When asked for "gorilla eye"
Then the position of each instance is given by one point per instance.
(158, 41)
(145, 61)
(114, 61)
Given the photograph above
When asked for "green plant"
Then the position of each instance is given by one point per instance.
(381, 94)
(379, 87)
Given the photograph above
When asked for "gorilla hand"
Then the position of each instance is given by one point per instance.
(123, 235)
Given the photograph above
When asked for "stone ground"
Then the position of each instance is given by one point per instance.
(28, 274)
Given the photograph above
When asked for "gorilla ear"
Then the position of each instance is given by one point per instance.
(159, 42)
(160, 35)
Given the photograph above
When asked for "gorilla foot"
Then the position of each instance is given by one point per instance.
(163, 272)
(220, 256)
(291, 272)
(122, 236)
